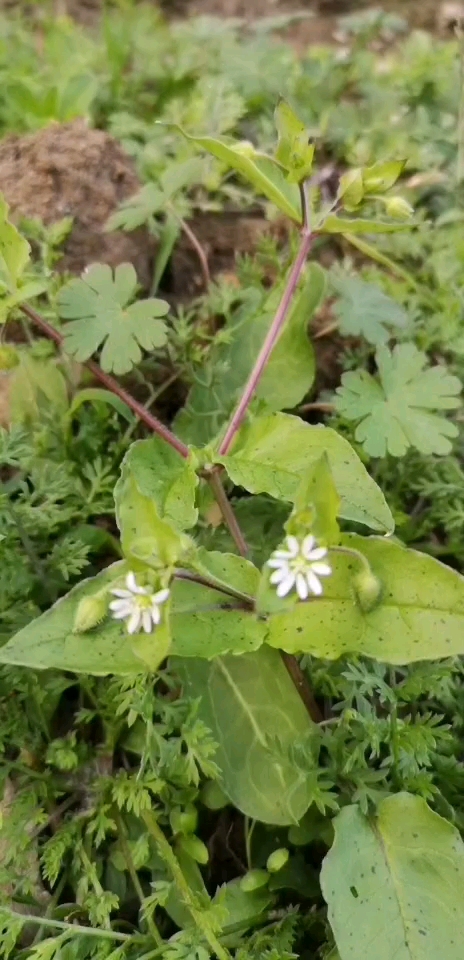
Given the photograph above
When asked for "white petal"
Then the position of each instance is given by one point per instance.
(155, 614)
(293, 546)
(133, 586)
(121, 605)
(307, 545)
(147, 621)
(278, 561)
(314, 584)
(322, 569)
(286, 585)
(133, 623)
(318, 554)
(301, 586)
(121, 614)
(160, 597)
(279, 575)
(125, 594)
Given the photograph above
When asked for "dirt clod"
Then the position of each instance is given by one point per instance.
(69, 170)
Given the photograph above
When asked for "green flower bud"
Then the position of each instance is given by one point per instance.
(184, 821)
(213, 796)
(90, 612)
(9, 358)
(195, 848)
(253, 880)
(245, 148)
(368, 590)
(277, 860)
(399, 208)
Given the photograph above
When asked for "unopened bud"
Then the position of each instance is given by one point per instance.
(90, 612)
(9, 358)
(277, 860)
(368, 590)
(399, 208)
(195, 848)
(253, 880)
(213, 796)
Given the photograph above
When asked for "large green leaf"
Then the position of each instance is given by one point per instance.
(202, 624)
(155, 501)
(420, 615)
(288, 375)
(167, 478)
(255, 715)
(264, 174)
(394, 883)
(272, 454)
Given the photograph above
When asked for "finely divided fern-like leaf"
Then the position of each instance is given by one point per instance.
(394, 409)
(99, 306)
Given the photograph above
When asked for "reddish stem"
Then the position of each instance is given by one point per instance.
(269, 342)
(111, 384)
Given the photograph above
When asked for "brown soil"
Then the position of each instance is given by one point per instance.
(70, 170)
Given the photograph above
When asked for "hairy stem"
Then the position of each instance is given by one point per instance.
(243, 598)
(71, 928)
(228, 514)
(269, 342)
(111, 384)
(187, 895)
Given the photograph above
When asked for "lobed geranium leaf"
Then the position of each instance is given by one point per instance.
(273, 453)
(420, 615)
(99, 305)
(393, 410)
(393, 883)
(363, 309)
(255, 715)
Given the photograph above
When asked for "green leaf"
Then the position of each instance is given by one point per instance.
(288, 376)
(98, 306)
(272, 455)
(420, 615)
(317, 505)
(343, 225)
(264, 174)
(35, 384)
(146, 534)
(244, 908)
(255, 715)
(96, 395)
(393, 408)
(382, 176)
(293, 150)
(202, 624)
(394, 883)
(167, 478)
(363, 310)
(14, 253)
(227, 568)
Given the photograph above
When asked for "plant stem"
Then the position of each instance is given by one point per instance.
(214, 585)
(228, 514)
(269, 342)
(111, 384)
(186, 893)
(71, 928)
(191, 236)
(302, 685)
(135, 879)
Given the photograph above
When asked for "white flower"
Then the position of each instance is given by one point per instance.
(299, 567)
(139, 606)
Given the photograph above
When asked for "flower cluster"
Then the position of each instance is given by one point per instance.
(299, 567)
(138, 606)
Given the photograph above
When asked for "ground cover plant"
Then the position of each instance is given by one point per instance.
(241, 734)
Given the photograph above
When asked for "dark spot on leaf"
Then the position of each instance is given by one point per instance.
(354, 892)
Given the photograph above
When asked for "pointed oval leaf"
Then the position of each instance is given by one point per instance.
(420, 616)
(255, 715)
(394, 883)
(272, 454)
(258, 169)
